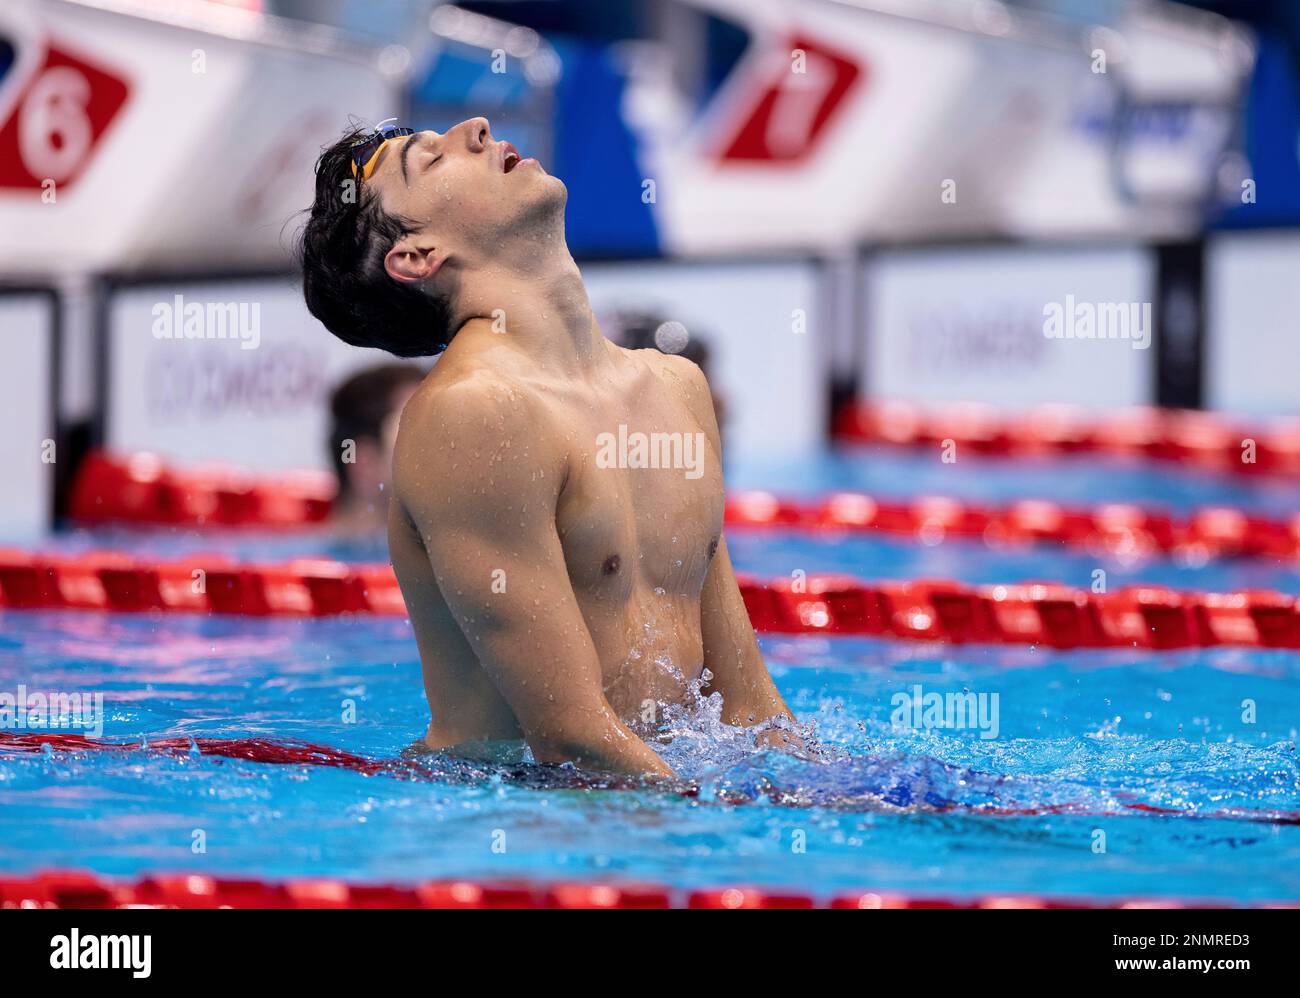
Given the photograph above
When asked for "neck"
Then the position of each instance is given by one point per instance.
(534, 294)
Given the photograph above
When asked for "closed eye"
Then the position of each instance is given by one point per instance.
(407, 147)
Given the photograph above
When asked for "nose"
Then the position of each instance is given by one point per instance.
(476, 132)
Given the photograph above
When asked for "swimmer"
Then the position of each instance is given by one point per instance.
(363, 429)
(556, 519)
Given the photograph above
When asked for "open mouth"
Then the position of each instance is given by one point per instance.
(511, 159)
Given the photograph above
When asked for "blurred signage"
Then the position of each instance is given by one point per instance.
(166, 142)
(27, 451)
(56, 123)
(932, 120)
(1011, 326)
(1252, 311)
(247, 381)
(807, 83)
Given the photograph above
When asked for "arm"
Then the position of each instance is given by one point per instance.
(731, 653)
(480, 481)
(731, 650)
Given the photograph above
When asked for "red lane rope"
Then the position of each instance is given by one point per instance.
(1122, 529)
(1146, 617)
(78, 889)
(252, 749)
(1201, 440)
(142, 490)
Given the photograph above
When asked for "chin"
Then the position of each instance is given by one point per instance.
(552, 194)
(543, 206)
(557, 188)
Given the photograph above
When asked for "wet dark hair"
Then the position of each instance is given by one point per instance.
(360, 405)
(342, 251)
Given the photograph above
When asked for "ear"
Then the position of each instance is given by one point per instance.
(411, 263)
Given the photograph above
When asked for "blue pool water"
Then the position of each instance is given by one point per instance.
(1112, 773)
(1090, 733)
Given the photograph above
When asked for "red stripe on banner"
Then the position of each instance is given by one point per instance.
(1147, 617)
(77, 889)
(1201, 440)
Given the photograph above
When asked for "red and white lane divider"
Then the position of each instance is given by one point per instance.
(1121, 529)
(1147, 617)
(198, 584)
(75, 889)
(1058, 616)
(141, 490)
(1201, 440)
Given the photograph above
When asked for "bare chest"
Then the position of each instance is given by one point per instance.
(642, 504)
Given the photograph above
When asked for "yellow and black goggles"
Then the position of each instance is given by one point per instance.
(365, 150)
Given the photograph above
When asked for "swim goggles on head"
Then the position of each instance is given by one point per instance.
(365, 150)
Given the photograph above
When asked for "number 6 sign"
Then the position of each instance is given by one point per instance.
(64, 109)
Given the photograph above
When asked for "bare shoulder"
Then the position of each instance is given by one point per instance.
(687, 380)
(467, 428)
(460, 400)
(676, 369)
